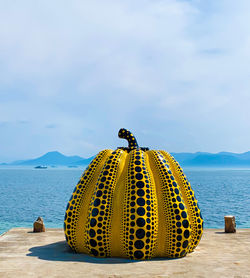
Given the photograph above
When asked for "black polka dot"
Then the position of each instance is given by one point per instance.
(140, 211)
(101, 185)
(186, 234)
(93, 243)
(138, 254)
(99, 193)
(179, 238)
(140, 233)
(95, 212)
(94, 252)
(92, 233)
(140, 222)
(185, 223)
(183, 253)
(140, 184)
(140, 192)
(139, 244)
(138, 169)
(139, 176)
(148, 234)
(185, 244)
(140, 201)
(184, 214)
(181, 206)
(97, 202)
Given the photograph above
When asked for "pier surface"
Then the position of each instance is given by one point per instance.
(27, 254)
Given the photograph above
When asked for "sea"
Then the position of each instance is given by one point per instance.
(26, 193)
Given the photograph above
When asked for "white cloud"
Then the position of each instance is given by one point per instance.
(175, 72)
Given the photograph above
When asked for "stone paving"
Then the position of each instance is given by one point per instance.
(27, 254)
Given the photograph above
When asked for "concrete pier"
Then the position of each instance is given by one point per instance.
(27, 254)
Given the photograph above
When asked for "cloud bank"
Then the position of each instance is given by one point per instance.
(176, 73)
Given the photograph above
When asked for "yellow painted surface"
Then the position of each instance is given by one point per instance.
(134, 204)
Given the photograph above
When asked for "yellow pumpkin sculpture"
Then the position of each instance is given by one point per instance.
(134, 203)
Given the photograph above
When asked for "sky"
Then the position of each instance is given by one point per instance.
(175, 73)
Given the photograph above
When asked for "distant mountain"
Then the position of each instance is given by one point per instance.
(85, 161)
(54, 158)
(222, 159)
(185, 157)
(199, 159)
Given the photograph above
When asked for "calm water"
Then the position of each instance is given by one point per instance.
(29, 193)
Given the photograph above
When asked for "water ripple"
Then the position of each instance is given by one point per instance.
(28, 193)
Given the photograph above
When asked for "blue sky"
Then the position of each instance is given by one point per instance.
(176, 73)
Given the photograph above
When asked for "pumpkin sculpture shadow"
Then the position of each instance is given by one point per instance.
(60, 251)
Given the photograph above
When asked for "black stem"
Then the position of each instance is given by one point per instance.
(126, 134)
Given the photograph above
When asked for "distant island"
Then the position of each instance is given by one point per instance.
(221, 159)
(53, 159)
(198, 159)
